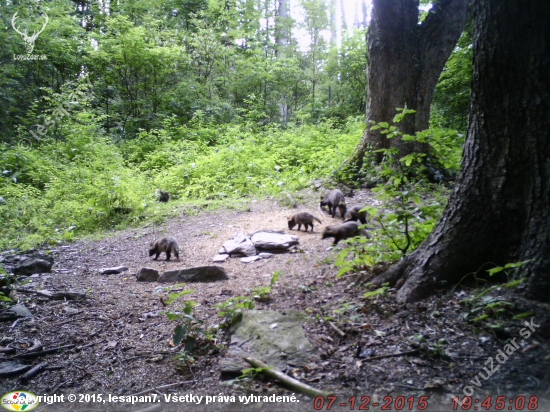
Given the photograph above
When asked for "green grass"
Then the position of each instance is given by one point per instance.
(85, 184)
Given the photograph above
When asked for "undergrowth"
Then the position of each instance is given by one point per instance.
(411, 205)
(78, 181)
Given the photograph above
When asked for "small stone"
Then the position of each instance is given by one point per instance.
(222, 257)
(113, 271)
(250, 259)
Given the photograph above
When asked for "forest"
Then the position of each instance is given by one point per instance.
(431, 115)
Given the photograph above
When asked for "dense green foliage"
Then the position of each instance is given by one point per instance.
(452, 95)
(208, 100)
(87, 182)
(152, 60)
(410, 204)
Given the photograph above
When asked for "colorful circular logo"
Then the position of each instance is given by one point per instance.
(19, 401)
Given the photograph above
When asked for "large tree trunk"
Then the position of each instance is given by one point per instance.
(500, 209)
(405, 61)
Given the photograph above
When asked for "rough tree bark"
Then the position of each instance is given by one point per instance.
(405, 61)
(499, 211)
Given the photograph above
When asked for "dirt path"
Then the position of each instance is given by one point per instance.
(123, 338)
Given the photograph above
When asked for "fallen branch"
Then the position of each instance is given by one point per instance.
(34, 371)
(338, 330)
(43, 352)
(286, 380)
(55, 295)
(12, 327)
(391, 355)
(7, 351)
(160, 387)
(55, 368)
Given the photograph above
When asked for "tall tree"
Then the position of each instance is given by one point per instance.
(283, 24)
(406, 58)
(333, 25)
(500, 209)
(315, 22)
(343, 11)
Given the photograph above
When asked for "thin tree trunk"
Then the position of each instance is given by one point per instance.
(282, 34)
(333, 29)
(364, 10)
(344, 21)
(405, 61)
(500, 209)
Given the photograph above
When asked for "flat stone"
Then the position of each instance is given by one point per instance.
(220, 258)
(197, 274)
(283, 346)
(265, 255)
(268, 240)
(147, 275)
(250, 259)
(240, 244)
(16, 311)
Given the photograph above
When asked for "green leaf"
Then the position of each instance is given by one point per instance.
(179, 334)
(524, 315)
(190, 344)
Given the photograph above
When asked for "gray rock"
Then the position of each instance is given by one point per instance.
(33, 263)
(268, 240)
(284, 345)
(16, 311)
(232, 368)
(250, 259)
(220, 258)
(240, 244)
(147, 275)
(113, 271)
(198, 274)
(265, 255)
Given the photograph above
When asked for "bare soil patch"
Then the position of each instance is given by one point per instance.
(123, 338)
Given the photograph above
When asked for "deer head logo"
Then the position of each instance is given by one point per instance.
(28, 39)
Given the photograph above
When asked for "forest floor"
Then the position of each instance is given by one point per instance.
(123, 338)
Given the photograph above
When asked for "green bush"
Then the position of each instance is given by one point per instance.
(84, 182)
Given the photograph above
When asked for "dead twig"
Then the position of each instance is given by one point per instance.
(54, 390)
(286, 380)
(12, 327)
(337, 329)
